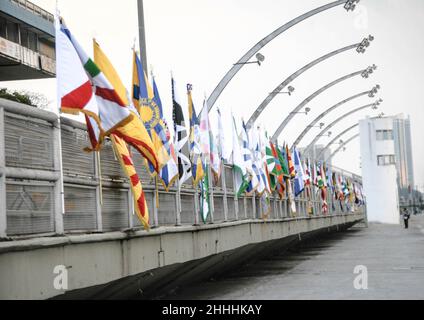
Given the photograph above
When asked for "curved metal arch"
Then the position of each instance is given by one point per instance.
(309, 99)
(322, 115)
(337, 138)
(237, 67)
(341, 147)
(334, 123)
(290, 79)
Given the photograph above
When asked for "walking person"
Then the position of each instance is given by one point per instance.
(406, 216)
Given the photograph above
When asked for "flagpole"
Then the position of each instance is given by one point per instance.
(156, 209)
(178, 202)
(236, 206)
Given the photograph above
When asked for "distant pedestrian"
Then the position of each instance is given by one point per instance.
(406, 216)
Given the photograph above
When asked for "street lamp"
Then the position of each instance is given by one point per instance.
(321, 125)
(289, 92)
(365, 44)
(259, 60)
(262, 43)
(351, 5)
(374, 91)
(293, 77)
(307, 110)
(328, 134)
(373, 106)
(309, 99)
(370, 70)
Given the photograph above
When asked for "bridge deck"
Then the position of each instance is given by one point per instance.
(324, 270)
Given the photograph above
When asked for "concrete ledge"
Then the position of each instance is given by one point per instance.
(26, 267)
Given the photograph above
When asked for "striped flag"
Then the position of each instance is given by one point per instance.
(127, 164)
(292, 170)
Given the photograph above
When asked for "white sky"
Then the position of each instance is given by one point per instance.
(199, 40)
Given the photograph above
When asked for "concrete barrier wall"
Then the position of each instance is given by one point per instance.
(27, 266)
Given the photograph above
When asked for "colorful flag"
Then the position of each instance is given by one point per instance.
(195, 138)
(224, 150)
(292, 170)
(205, 199)
(75, 93)
(169, 173)
(248, 161)
(149, 106)
(112, 94)
(181, 138)
(127, 164)
(299, 182)
(241, 176)
(279, 172)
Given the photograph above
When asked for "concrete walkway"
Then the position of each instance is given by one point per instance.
(393, 256)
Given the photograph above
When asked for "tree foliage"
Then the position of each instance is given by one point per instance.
(32, 99)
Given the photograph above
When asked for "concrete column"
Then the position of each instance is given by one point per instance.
(59, 193)
(253, 207)
(3, 218)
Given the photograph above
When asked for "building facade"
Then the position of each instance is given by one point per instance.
(27, 45)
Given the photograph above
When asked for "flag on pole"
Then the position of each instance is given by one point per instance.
(149, 106)
(248, 160)
(127, 164)
(197, 165)
(271, 167)
(112, 94)
(292, 171)
(299, 182)
(181, 138)
(205, 199)
(209, 146)
(279, 172)
(223, 148)
(241, 176)
(169, 173)
(75, 93)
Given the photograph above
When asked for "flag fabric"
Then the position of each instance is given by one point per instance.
(248, 161)
(205, 199)
(198, 166)
(149, 107)
(271, 167)
(75, 93)
(215, 156)
(241, 176)
(127, 164)
(224, 150)
(169, 173)
(292, 170)
(112, 94)
(299, 182)
(279, 172)
(181, 137)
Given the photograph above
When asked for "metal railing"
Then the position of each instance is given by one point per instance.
(97, 198)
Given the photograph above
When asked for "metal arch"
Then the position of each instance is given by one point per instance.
(309, 99)
(334, 123)
(337, 138)
(237, 67)
(341, 147)
(290, 79)
(322, 115)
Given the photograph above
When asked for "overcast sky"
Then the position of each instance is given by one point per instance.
(199, 40)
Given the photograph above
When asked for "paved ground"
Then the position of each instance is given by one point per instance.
(324, 270)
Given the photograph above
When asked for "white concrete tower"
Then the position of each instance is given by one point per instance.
(379, 170)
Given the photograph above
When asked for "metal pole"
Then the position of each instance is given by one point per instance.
(290, 79)
(224, 188)
(142, 35)
(333, 124)
(326, 112)
(236, 205)
(309, 99)
(237, 67)
(59, 193)
(3, 216)
(99, 195)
